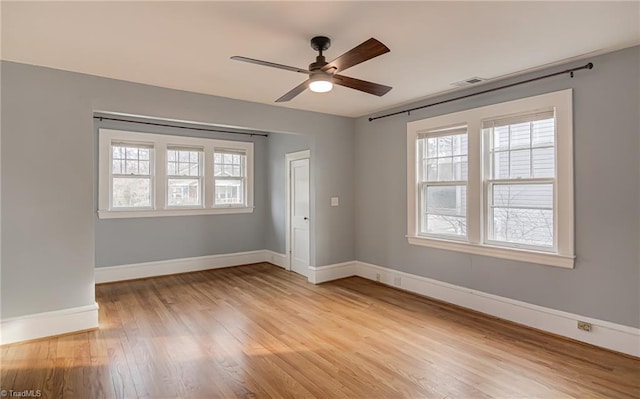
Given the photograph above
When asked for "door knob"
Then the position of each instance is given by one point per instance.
(306, 218)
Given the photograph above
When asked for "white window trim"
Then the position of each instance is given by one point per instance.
(564, 255)
(160, 143)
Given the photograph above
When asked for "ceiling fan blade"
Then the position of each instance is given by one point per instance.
(362, 85)
(361, 53)
(294, 92)
(269, 64)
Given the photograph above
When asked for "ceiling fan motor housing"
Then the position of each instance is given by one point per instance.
(320, 44)
(320, 62)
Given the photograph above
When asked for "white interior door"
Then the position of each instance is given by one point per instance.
(299, 216)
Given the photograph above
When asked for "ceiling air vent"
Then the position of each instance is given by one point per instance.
(468, 82)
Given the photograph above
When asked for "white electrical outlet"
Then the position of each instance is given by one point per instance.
(397, 281)
(335, 201)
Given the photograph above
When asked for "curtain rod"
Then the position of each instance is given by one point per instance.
(179, 127)
(408, 111)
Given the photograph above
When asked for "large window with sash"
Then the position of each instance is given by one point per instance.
(495, 180)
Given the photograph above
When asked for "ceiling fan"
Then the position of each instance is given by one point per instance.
(323, 75)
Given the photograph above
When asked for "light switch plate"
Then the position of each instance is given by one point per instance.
(335, 201)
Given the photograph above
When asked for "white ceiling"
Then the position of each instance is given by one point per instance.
(187, 45)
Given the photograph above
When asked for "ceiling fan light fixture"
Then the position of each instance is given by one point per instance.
(321, 83)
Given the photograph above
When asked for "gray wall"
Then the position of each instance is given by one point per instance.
(605, 281)
(279, 145)
(51, 238)
(331, 170)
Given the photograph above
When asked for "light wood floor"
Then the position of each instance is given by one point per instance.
(259, 331)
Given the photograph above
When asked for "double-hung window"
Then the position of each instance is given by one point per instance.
(495, 180)
(184, 176)
(229, 174)
(442, 182)
(149, 175)
(131, 176)
(520, 180)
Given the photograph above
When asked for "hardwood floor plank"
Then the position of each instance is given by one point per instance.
(257, 331)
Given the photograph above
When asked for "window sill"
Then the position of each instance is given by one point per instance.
(106, 214)
(542, 258)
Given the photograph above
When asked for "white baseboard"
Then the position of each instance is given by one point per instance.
(605, 334)
(173, 266)
(40, 325)
(277, 259)
(337, 271)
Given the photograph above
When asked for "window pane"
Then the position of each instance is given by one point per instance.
(432, 147)
(194, 170)
(432, 170)
(131, 167)
(444, 224)
(523, 214)
(445, 146)
(444, 210)
(143, 167)
(126, 160)
(183, 168)
(543, 132)
(543, 162)
(523, 226)
(446, 158)
(131, 192)
(229, 192)
(520, 165)
(460, 169)
(131, 152)
(172, 168)
(229, 165)
(530, 153)
(460, 144)
(520, 135)
(501, 165)
(117, 167)
(445, 169)
(501, 137)
(183, 192)
(523, 196)
(183, 163)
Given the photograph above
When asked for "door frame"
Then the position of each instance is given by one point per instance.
(289, 158)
